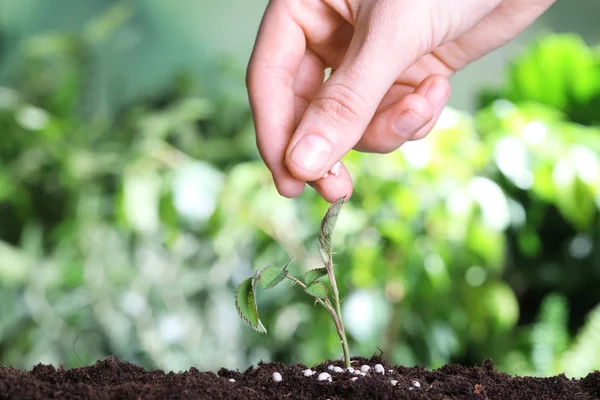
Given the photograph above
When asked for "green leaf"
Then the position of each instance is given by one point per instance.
(245, 302)
(327, 226)
(582, 356)
(501, 305)
(15, 266)
(288, 264)
(271, 276)
(314, 274)
(141, 198)
(555, 71)
(317, 289)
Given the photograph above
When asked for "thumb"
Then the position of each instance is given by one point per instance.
(342, 109)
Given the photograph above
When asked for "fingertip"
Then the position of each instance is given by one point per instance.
(333, 187)
(432, 80)
(436, 89)
(289, 187)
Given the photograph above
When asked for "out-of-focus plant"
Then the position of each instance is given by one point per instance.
(560, 72)
(542, 129)
(128, 234)
(104, 219)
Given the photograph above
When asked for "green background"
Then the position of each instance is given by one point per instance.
(133, 201)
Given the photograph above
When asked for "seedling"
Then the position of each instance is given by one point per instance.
(314, 283)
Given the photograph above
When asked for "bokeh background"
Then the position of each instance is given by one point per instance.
(133, 201)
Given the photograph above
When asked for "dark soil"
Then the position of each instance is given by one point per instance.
(114, 379)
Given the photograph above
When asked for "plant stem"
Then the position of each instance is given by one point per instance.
(296, 281)
(320, 301)
(338, 311)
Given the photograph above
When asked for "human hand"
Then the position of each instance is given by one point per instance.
(390, 61)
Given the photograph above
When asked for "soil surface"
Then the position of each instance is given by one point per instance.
(114, 379)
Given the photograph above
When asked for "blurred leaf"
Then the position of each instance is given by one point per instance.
(529, 243)
(14, 265)
(141, 198)
(575, 199)
(72, 276)
(556, 70)
(502, 305)
(550, 335)
(486, 243)
(6, 186)
(49, 44)
(584, 355)
(105, 24)
(365, 260)
(196, 189)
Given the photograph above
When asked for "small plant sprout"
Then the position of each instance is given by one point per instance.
(314, 283)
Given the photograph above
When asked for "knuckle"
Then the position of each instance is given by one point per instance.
(340, 103)
(346, 8)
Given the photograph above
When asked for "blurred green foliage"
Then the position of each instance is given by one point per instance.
(127, 233)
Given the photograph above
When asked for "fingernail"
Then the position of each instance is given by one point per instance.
(336, 168)
(311, 153)
(436, 94)
(407, 123)
(326, 175)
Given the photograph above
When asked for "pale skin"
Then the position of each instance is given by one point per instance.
(390, 62)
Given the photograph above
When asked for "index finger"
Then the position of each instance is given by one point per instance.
(277, 55)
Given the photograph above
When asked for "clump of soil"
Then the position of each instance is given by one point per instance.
(114, 379)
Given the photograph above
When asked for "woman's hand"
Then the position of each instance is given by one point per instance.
(390, 61)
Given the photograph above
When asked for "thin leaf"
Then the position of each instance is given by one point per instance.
(271, 276)
(327, 226)
(245, 302)
(314, 274)
(317, 289)
(288, 263)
